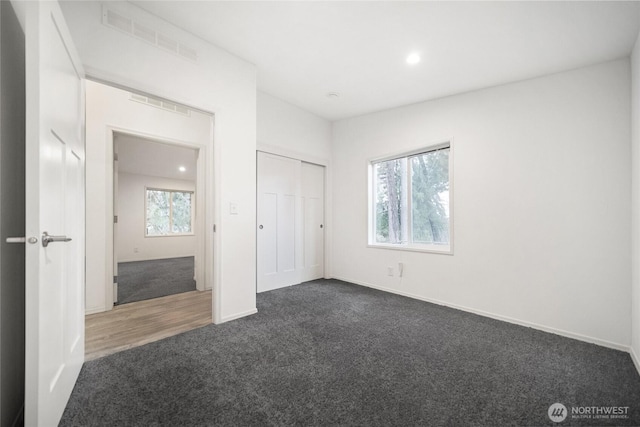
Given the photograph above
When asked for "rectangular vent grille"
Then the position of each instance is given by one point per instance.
(167, 43)
(158, 103)
(118, 21)
(188, 53)
(142, 32)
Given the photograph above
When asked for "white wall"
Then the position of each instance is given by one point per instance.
(288, 130)
(635, 204)
(133, 245)
(542, 208)
(219, 82)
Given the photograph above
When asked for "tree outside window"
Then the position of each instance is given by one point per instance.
(168, 212)
(411, 202)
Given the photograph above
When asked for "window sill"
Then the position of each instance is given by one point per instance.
(431, 249)
(170, 235)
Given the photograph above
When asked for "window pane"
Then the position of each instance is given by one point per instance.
(157, 212)
(181, 204)
(430, 197)
(390, 192)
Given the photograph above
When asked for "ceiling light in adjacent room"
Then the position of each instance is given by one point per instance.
(413, 59)
(182, 169)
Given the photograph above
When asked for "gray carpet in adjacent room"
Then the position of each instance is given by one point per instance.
(142, 280)
(332, 353)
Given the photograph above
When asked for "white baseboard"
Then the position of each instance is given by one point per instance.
(579, 337)
(95, 310)
(238, 316)
(138, 259)
(635, 358)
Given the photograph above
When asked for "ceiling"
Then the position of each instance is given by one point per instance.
(304, 49)
(148, 157)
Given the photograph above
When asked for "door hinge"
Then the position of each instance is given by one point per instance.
(115, 157)
(115, 279)
(115, 219)
(214, 228)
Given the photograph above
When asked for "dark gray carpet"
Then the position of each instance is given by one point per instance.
(332, 353)
(142, 280)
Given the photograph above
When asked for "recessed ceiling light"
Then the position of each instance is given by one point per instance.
(182, 169)
(333, 95)
(413, 59)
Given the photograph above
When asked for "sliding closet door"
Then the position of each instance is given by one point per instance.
(278, 191)
(312, 199)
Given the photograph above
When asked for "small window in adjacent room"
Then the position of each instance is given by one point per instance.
(168, 212)
(410, 201)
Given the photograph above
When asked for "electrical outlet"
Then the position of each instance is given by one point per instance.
(135, 250)
(390, 271)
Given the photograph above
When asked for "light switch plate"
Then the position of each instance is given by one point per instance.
(233, 208)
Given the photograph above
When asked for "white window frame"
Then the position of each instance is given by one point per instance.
(170, 234)
(371, 206)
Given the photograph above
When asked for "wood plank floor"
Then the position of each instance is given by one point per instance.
(138, 323)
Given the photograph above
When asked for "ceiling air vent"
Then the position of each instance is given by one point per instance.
(188, 53)
(158, 103)
(116, 20)
(144, 33)
(167, 43)
(139, 98)
(140, 31)
(182, 110)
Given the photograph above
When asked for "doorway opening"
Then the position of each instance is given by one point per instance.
(150, 211)
(155, 223)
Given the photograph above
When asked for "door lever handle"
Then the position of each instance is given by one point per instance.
(46, 239)
(31, 240)
(16, 240)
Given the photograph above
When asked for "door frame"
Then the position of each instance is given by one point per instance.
(213, 166)
(210, 155)
(203, 258)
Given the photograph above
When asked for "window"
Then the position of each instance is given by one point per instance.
(169, 212)
(410, 201)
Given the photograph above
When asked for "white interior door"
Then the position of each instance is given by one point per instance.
(55, 204)
(312, 196)
(278, 191)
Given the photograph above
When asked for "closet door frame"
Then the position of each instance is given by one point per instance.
(300, 157)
